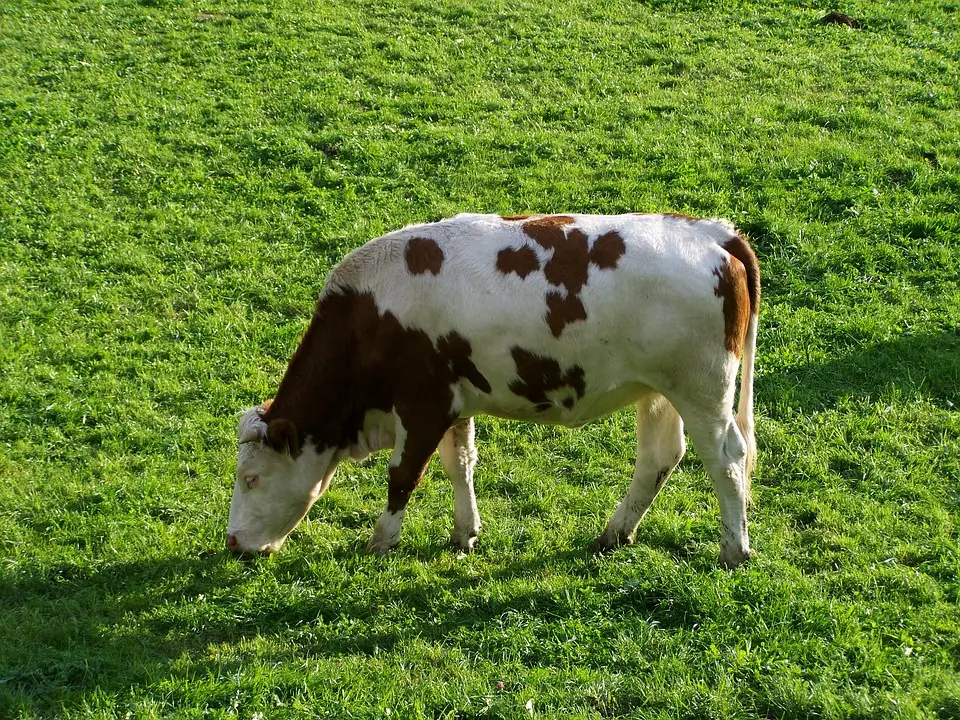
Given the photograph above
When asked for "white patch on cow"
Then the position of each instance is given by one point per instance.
(263, 513)
(386, 533)
(745, 404)
(727, 470)
(400, 437)
(251, 426)
(456, 404)
(660, 446)
(378, 433)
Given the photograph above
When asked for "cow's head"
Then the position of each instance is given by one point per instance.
(278, 479)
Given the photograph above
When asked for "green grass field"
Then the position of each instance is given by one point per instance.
(176, 179)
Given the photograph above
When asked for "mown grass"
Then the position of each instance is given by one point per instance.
(177, 178)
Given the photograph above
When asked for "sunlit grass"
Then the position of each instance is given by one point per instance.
(176, 180)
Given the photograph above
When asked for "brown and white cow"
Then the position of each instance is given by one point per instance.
(547, 318)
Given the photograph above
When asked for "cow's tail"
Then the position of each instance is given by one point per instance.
(745, 406)
(739, 248)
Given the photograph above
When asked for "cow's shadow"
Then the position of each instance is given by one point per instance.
(79, 646)
(185, 607)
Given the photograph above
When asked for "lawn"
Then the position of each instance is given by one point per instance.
(177, 178)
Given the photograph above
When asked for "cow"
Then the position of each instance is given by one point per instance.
(546, 318)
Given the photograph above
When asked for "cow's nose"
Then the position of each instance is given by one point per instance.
(232, 542)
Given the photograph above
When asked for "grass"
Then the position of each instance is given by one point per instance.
(177, 178)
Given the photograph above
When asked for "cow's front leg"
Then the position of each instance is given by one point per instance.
(411, 453)
(458, 454)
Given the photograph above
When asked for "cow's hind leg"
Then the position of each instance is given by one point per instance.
(721, 446)
(458, 454)
(660, 446)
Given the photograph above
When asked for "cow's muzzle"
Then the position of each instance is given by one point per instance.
(233, 545)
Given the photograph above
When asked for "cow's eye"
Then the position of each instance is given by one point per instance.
(252, 481)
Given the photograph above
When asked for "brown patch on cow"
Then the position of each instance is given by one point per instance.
(607, 250)
(732, 288)
(548, 231)
(354, 359)
(513, 218)
(570, 263)
(562, 310)
(539, 377)
(522, 262)
(457, 350)
(404, 478)
(282, 436)
(423, 255)
(569, 268)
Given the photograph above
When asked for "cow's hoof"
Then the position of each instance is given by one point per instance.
(465, 542)
(610, 541)
(732, 559)
(386, 533)
(382, 544)
(382, 550)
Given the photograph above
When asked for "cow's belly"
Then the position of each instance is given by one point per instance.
(594, 369)
(562, 407)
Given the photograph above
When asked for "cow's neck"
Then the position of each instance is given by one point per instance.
(313, 392)
(322, 392)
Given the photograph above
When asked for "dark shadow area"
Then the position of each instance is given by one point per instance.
(926, 366)
(122, 626)
(73, 651)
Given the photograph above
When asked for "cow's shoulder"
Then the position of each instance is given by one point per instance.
(414, 250)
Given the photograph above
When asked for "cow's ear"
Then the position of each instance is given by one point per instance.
(282, 436)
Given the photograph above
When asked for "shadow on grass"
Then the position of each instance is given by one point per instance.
(925, 366)
(115, 629)
(67, 615)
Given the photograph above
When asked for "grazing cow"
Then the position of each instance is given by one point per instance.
(547, 318)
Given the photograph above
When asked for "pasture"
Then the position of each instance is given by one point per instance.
(177, 178)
